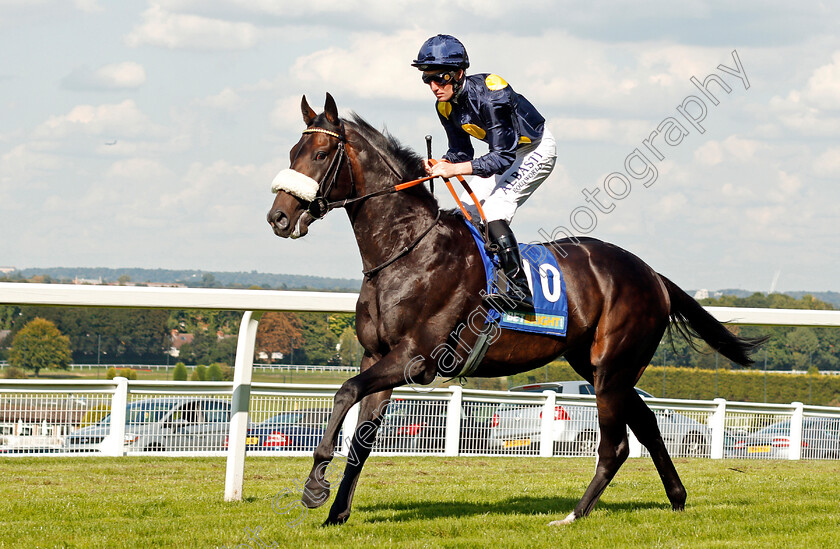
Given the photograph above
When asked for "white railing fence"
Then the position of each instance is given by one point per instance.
(165, 417)
(120, 417)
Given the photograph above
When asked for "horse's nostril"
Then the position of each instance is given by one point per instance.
(278, 219)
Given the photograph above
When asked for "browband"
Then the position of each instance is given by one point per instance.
(322, 130)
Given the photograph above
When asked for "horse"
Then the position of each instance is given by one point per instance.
(424, 276)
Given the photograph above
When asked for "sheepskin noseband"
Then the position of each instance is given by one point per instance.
(296, 184)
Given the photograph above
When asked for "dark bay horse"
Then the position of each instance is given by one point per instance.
(424, 277)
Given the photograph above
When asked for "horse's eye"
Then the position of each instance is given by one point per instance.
(320, 155)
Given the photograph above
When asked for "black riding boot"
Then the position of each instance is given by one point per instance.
(517, 297)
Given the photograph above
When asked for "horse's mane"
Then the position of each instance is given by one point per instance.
(404, 159)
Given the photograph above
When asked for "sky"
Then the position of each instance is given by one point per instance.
(147, 134)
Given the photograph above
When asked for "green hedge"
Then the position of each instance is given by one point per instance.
(702, 384)
(742, 386)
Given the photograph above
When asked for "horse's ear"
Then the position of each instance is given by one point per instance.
(308, 114)
(330, 110)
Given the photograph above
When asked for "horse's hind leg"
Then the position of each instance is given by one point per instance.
(642, 421)
(371, 412)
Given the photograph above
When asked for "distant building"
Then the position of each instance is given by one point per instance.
(3, 335)
(7, 270)
(702, 294)
(178, 340)
(78, 280)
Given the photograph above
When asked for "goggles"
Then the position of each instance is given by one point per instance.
(439, 78)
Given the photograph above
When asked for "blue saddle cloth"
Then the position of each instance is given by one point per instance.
(547, 287)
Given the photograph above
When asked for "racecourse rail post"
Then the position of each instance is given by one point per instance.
(348, 428)
(547, 424)
(114, 444)
(796, 431)
(453, 421)
(634, 445)
(240, 403)
(717, 423)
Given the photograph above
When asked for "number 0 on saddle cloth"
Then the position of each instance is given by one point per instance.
(547, 287)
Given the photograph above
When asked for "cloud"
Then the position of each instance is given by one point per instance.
(139, 169)
(24, 164)
(375, 65)
(185, 31)
(226, 100)
(827, 164)
(823, 88)
(599, 129)
(123, 119)
(116, 76)
(23, 12)
(709, 153)
(89, 6)
(286, 114)
(811, 110)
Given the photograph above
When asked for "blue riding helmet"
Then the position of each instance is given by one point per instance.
(442, 50)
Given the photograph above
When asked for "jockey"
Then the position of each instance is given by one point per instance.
(521, 154)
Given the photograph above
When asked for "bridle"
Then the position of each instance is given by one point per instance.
(320, 205)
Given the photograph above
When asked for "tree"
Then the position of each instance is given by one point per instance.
(126, 335)
(278, 333)
(319, 342)
(339, 322)
(201, 372)
(180, 372)
(214, 372)
(351, 350)
(38, 345)
(208, 348)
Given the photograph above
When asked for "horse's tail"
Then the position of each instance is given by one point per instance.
(691, 320)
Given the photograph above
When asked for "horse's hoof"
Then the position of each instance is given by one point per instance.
(335, 521)
(315, 495)
(568, 520)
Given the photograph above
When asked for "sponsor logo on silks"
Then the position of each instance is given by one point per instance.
(545, 321)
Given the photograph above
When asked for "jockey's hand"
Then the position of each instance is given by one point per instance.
(447, 170)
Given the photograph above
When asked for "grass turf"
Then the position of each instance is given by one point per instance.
(415, 502)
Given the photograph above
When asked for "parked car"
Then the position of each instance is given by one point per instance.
(293, 430)
(420, 425)
(155, 424)
(820, 440)
(575, 427)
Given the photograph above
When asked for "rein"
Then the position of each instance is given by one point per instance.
(372, 272)
(320, 206)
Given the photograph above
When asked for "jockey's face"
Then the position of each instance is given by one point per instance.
(442, 90)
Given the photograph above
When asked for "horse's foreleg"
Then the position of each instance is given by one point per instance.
(387, 373)
(370, 418)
